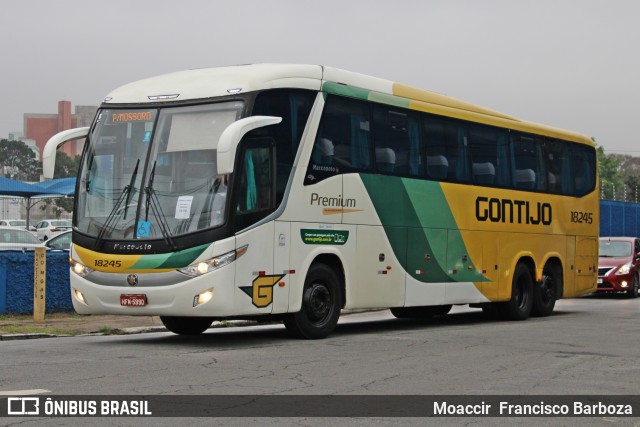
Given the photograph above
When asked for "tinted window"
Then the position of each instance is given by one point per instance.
(343, 141)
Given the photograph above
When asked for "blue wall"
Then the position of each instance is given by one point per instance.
(619, 219)
(16, 282)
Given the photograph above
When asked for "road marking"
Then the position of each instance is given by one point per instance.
(24, 392)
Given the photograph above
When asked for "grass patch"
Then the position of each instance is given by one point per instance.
(106, 330)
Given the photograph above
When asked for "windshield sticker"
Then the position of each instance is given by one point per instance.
(324, 237)
(183, 207)
(144, 228)
(147, 136)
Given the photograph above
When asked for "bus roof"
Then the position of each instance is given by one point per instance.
(222, 81)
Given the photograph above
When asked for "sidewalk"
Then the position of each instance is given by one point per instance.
(14, 327)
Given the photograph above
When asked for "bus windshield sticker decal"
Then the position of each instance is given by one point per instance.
(144, 228)
(324, 237)
(261, 289)
(183, 207)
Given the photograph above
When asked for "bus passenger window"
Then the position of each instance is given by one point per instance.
(343, 141)
(527, 155)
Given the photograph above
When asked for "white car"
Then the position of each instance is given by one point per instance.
(17, 223)
(15, 239)
(47, 228)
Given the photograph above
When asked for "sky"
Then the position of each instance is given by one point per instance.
(573, 64)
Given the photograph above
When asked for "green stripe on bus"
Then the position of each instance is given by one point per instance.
(178, 259)
(344, 90)
(420, 227)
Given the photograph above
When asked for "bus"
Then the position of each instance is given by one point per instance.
(292, 192)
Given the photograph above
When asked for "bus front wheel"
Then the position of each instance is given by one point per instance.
(186, 325)
(521, 302)
(321, 304)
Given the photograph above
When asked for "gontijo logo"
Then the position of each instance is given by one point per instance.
(513, 211)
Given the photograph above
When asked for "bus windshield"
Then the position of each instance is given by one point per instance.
(174, 151)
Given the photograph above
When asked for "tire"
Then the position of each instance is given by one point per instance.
(321, 305)
(633, 291)
(186, 325)
(545, 293)
(521, 302)
(420, 312)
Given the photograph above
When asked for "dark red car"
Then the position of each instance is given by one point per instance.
(619, 265)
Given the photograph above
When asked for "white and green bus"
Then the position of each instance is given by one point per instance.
(295, 191)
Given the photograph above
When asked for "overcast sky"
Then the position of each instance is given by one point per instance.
(573, 64)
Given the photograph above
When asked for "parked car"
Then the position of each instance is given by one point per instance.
(16, 239)
(619, 265)
(17, 223)
(61, 242)
(47, 228)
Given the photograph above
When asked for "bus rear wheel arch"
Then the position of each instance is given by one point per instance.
(321, 304)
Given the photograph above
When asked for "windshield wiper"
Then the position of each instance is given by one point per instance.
(109, 224)
(156, 209)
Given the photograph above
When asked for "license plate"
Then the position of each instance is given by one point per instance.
(599, 280)
(137, 300)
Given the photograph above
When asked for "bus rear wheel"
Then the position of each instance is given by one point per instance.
(420, 312)
(521, 302)
(321, 304)
(186, 325)
(545, 292)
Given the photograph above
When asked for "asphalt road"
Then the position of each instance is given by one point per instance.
(588, 346)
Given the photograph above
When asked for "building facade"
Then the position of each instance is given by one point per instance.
(41, 127)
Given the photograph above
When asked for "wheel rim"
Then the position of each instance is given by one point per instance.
(522, 297)
(318, 303)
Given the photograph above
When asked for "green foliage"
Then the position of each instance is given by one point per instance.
(18, 161)
(611, 183)
(66, 167)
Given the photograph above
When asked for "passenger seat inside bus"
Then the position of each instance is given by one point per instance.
(525, 179)
(484, 173)
(385, 159)
(437, 167)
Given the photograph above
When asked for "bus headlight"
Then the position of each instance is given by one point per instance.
(78, 268)
(211, 264)
(624, 269)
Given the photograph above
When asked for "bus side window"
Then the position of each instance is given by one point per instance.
(343, 142)
(583, 168)
(528, 167)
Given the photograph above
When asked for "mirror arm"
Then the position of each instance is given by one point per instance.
(231, 137)
(50, 148)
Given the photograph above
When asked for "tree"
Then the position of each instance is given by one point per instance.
(18, 161)
(66, 167)
(630, 170)
(611, 183)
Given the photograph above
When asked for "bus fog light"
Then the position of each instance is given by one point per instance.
(79, 296)
(624, 284)
(203, 297)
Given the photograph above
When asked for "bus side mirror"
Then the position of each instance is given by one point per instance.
(232, 135)
(49, 152)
